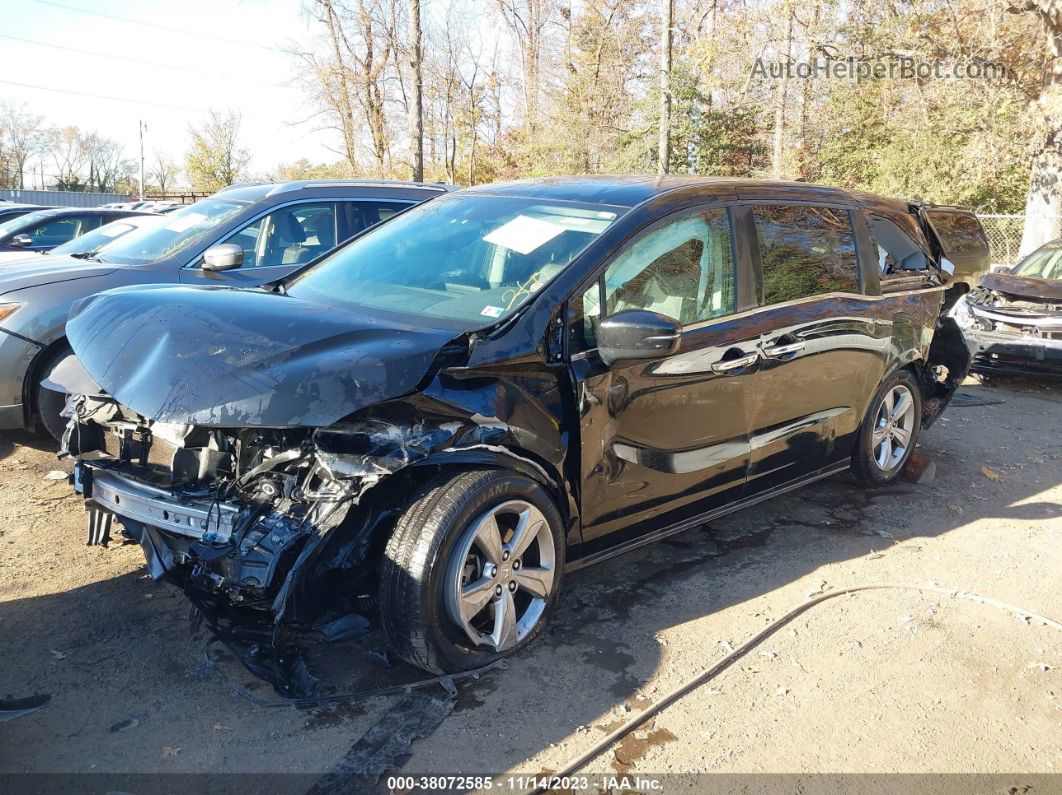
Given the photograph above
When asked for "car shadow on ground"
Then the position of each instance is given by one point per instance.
(11, 440)
(602, 645)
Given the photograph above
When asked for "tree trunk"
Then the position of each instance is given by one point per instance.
(416, 120)
(1043, 205)
(663, 154)
(783, 88)
(343, 106)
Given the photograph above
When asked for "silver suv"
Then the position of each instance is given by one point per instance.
(242, 236)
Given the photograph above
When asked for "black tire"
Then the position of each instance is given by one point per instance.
(49, 402)
(865, 468)
(414, 566)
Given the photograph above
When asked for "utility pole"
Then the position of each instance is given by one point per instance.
(141, 125)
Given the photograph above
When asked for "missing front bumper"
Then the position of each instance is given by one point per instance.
(206, 520)
(1012, 354)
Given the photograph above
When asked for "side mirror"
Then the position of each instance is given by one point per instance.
(21, 241)
(223, 257)
(637, 334)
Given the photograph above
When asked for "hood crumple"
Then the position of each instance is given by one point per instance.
(37, 271)
(242, 358)
(1023, 286)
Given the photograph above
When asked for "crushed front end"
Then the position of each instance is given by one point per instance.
(1012, 332)
(238, 517)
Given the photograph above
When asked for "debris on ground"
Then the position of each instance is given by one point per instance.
(920, 469)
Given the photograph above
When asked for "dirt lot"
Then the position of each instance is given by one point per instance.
(874, 682)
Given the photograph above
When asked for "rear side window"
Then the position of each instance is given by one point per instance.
(959, 233)
(805, 251)
(897, 252)
(363, 214)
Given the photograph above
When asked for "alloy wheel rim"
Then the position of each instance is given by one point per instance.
(501, 575)
(894, 428)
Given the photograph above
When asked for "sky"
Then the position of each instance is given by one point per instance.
(183, 58)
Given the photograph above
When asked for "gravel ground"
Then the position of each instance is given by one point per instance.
(876, 682)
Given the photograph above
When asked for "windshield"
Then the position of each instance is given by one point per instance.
(91, 242)
(21, 221)
(469, 259)
(180, 228)
(1046, 263)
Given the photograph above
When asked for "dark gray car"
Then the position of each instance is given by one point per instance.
(241, 236)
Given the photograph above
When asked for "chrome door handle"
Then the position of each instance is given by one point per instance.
(783, 350)
(729, 365)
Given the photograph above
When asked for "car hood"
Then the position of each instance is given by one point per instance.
(7, 257)
(1023, 286)
(34, 270)
(240, 358)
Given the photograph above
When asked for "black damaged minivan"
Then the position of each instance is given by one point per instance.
(430, 426)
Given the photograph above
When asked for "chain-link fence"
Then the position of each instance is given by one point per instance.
(1004, 236)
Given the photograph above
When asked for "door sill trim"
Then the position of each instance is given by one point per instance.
(687, 524)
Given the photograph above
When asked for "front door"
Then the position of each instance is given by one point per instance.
(665, 439)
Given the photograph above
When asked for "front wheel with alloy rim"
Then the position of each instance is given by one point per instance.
(890, 430)
(472, 570)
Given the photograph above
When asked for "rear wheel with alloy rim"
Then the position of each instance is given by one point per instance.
(890, 430)
(471, 571)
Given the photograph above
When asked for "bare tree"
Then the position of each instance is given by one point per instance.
(663, 158)
(163, 171)
(527, 20)
(106, 162)
(416, 114)
(216, 158)
(67, 147)
(22, 138)
(780, 96)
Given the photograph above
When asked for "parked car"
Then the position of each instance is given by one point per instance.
(90, 243)
(9, 211)
(241, 236)
(429, 426)
(1014, 316)
(43, 230)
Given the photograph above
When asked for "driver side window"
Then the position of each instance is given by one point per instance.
(683, 269)
(287, 236)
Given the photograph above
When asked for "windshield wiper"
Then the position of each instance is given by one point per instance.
(86, 255)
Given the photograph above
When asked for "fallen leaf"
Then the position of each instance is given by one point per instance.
(991, 474)
(56, 474)
(169, 750)
(59, 655)
(123, 725)
(219, 728)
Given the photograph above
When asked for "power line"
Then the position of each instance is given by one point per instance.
(185, 31)
(102, 96)
(131, 101)
(176, 67)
